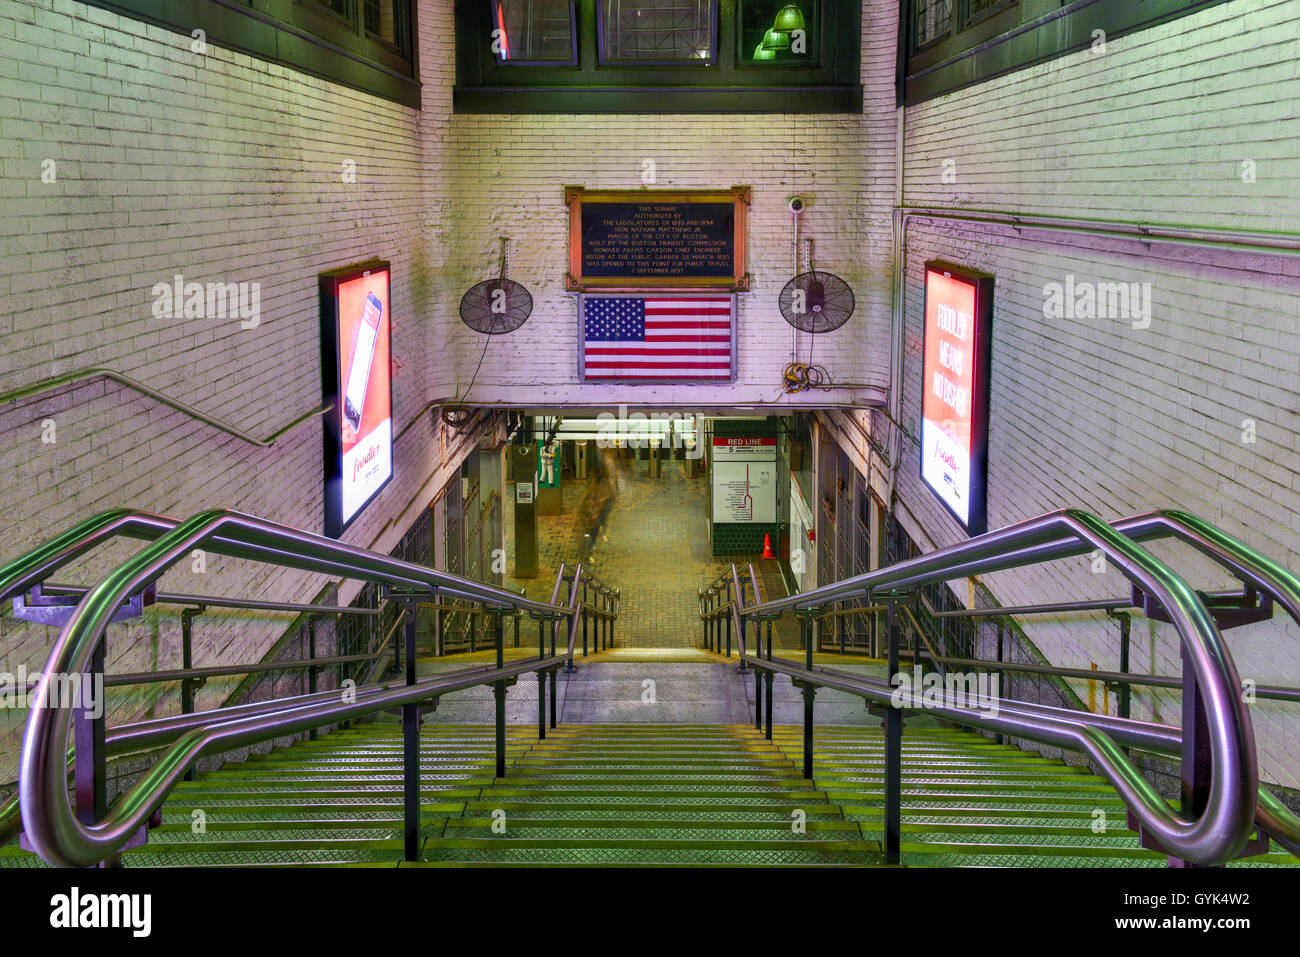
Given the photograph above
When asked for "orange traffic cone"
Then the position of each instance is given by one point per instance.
(767, 546)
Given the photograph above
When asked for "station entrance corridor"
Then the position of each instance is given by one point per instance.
(648, 535)
(656, 751)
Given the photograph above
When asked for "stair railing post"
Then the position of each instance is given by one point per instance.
(809, 693)
(499, 689)
(555, 627)
(893, 747)
(709, 623)
(189, 685)
(541, 680)
(1197, 764)
(187, 657)
(583, 611)
(411, 747)
(1000, 738)
(89, 765)
(1126, 689)
(771, 678)
(554, 694)
(311, 672)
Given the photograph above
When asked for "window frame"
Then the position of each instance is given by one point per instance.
(608, 62)
(1014, 36)
(573, 43)
(966, 20)
(727, 84)
(304, 36)
(746, 60)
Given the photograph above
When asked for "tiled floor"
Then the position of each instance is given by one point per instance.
(645, 536)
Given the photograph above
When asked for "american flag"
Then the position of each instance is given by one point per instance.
(682, 336)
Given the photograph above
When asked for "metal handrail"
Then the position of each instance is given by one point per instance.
(38, 564)
(62, 840)
(578, 608)
(1269, 692)
(1247, 564)
(212, 601)
(1257, 570)
(1224, 826)
(574, 592)
(127, 738)
(51, 825)
(1048, 608)
(68, 378)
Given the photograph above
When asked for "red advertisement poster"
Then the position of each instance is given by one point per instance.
(359, 433)
(955, 403)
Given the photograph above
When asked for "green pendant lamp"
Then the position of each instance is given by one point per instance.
(775, 40)
(789, 19)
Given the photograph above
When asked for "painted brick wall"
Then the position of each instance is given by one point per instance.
(508, 176)
(1093, 413)
(221, 168)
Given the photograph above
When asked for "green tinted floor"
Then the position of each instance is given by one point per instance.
(644, 795)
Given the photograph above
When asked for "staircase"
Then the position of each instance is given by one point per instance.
(626, 795)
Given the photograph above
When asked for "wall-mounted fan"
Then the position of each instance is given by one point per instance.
(493, 307)
(497, 306)
(816, 301)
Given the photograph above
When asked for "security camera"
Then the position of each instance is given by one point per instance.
(795, 204)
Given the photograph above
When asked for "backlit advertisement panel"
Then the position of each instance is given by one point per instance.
(954, 411)
(357, 374)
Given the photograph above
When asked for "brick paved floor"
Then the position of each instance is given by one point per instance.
(646, 536)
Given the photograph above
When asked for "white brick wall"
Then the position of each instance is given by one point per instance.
(1092, 413)
(222, 168)
(508, 176)
(226, 168)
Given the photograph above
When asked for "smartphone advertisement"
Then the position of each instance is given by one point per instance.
(954, 411)
(355, 340)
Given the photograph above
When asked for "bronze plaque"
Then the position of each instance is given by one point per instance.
(639, 239)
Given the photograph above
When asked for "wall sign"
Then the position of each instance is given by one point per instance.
(744, 480)
(955, 408)
(356, 373)
(646, 239)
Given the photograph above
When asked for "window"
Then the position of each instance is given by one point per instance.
(977, 10)
(655, 56)
(933, 22)
(339, 7)
(380, 20)
(534, 31)
(360, 24)
(777, 32)
(951, 44)
(657, 31)
(368, 45)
